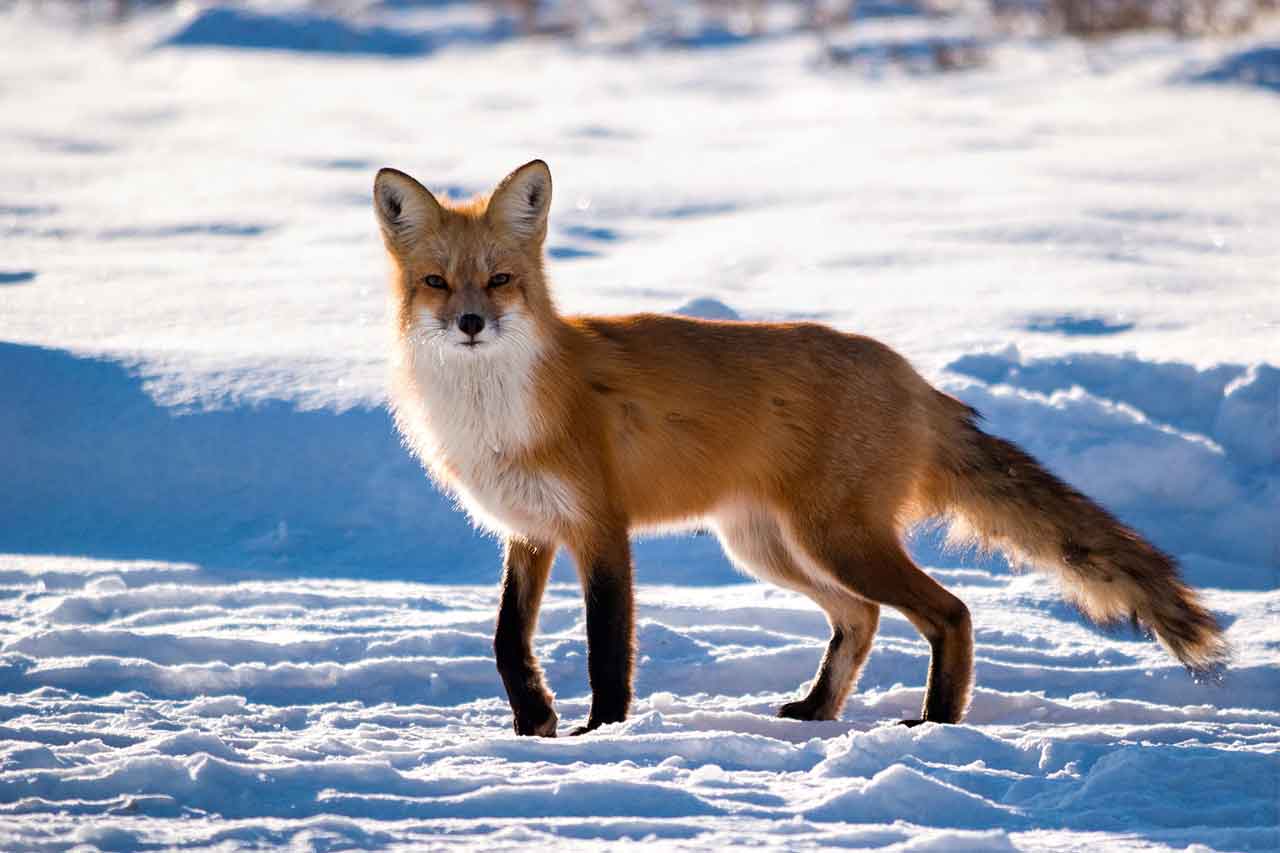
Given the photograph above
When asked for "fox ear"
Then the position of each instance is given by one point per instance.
(405, 208)
(522, 201)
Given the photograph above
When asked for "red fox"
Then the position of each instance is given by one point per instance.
(806, 450)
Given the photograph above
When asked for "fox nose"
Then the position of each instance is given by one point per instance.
(471, 324)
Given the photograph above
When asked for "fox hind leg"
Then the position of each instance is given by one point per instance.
(753, 539)
(875, 567)
(853, 629)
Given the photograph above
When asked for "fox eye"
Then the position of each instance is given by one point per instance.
(435, 281)
(499, 279)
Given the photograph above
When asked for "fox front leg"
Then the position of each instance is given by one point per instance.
(605, 568)
(524, 578)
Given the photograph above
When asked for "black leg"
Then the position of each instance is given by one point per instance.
(853, 628)
(821, 695)
(950, 668)
(610, 602)
(524, 577)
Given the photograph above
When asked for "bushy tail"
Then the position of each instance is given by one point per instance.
(997, 494)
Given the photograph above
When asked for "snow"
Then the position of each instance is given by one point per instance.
(234, 613)
(371, 710)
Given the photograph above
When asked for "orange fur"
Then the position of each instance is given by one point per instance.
(807, 450)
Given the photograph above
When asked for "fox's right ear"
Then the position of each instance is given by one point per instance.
(405, 208)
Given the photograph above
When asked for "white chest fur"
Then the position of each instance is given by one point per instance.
(470, 416)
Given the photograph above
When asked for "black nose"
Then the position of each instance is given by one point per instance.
(471, 324)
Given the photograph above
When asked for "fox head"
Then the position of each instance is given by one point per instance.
(468, 276)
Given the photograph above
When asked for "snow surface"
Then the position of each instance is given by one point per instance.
(234, 614)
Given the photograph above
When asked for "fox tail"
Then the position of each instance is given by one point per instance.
(997, 495)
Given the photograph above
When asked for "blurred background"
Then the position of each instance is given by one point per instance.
(351, 25)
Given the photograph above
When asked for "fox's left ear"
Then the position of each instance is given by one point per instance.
(522, 201)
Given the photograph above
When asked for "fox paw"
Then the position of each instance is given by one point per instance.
(546, 728)
(799, 710)
(592, 725)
